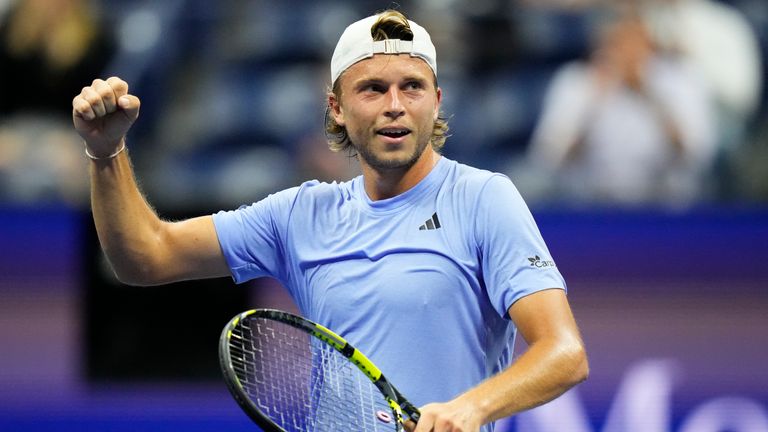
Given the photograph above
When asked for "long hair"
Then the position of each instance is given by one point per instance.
(390, 25)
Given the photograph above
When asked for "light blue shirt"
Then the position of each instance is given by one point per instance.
(421, 283)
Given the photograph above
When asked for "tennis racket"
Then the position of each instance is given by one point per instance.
(290, 374)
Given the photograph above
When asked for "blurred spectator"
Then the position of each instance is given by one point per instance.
(49, 49)
(632, 125)
(718, 40)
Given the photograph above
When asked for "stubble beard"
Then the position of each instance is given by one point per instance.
(380, 164)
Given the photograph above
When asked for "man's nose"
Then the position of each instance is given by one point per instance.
(395, 106)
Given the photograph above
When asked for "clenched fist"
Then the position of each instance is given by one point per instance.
(103, 113)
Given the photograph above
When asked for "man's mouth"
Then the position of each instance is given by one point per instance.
(394, 132)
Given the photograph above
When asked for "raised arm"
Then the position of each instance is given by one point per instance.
(554, 362)
(142, 248)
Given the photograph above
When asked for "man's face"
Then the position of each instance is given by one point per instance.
(388, 104)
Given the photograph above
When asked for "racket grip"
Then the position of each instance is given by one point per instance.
(413, 412)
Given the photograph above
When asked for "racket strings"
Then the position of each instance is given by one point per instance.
(302, 383)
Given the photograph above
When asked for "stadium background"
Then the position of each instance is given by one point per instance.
(672, 301)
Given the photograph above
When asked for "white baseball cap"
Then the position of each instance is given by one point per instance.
(356, 43)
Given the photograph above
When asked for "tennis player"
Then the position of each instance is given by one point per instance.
(429, 266)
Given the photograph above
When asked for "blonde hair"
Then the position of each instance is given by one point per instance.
(391, 24)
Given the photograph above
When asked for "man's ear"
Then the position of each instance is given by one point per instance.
(334, 106)
(436, 115)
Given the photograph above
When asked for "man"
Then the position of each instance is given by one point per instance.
(427, 265)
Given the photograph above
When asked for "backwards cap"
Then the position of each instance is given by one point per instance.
(356, 43)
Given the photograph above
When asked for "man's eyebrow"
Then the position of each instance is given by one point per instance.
(375, 80)
(368, 80)
(414, 78)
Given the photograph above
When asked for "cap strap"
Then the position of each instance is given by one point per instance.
(392, 46)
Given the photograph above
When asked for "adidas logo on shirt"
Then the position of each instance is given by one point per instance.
(432, 223)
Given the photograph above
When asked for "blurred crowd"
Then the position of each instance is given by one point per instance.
(627, 103)
(46, 50)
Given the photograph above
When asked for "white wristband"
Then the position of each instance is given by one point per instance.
(92, 157)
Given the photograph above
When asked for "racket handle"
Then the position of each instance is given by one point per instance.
(412, 412)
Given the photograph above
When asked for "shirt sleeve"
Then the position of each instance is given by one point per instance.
(251, 237)
(515, 259)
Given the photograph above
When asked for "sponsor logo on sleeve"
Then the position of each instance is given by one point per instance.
(537, 262)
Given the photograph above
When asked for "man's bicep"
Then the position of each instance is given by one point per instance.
(544, 314)
(192, 250)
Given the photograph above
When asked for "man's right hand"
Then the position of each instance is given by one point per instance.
(103, 113)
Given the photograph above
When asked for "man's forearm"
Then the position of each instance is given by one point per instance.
(127, 226)
(545, 371)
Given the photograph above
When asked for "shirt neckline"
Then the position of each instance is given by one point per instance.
(429, 182)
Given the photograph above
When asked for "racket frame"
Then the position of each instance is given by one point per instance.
(394, 398)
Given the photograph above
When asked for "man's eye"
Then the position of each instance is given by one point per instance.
(376, 88)
(413, 85)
